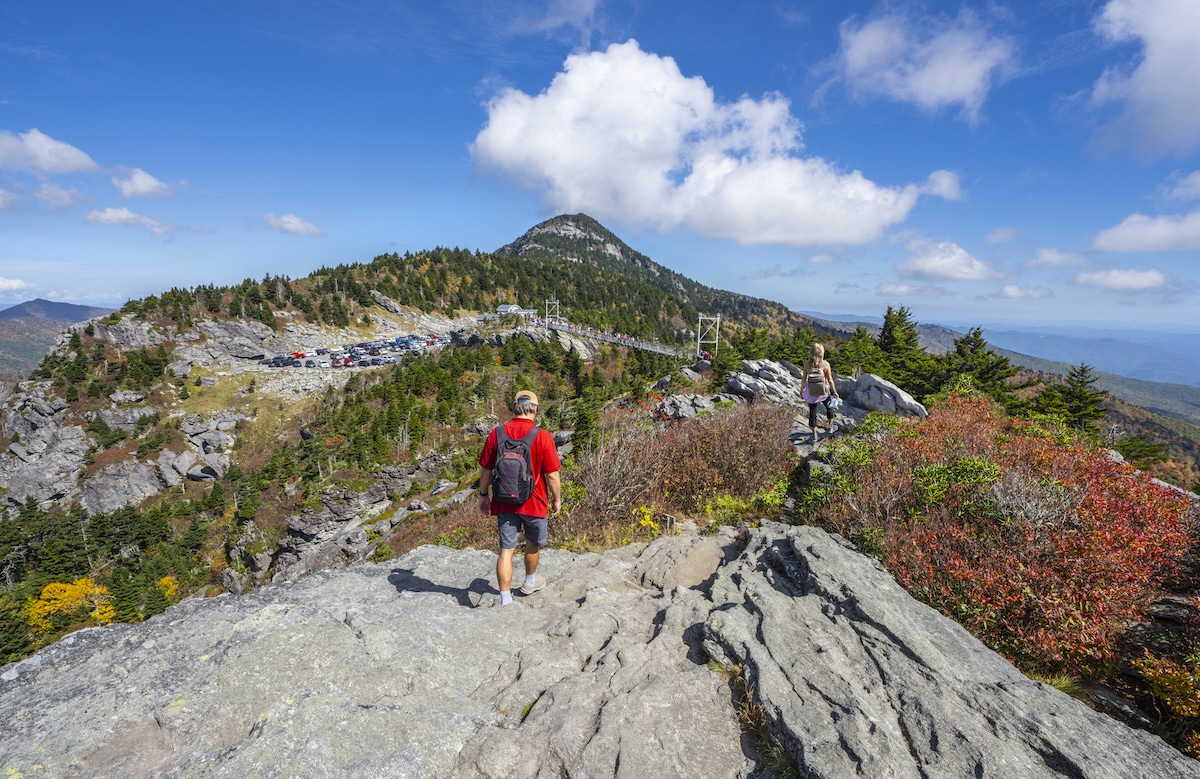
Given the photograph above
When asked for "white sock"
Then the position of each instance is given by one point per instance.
(531, 579)
(505, 597)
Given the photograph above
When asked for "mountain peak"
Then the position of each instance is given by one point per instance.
(39, 308)
(576, 237)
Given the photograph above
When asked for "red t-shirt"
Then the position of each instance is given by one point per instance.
(543, 457)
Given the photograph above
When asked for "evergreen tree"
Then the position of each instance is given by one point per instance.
(1075, 399)
(858, 355)
(973, 356)
(15, 639)
(124, 595)
(907, 364)
(156, 601)
(1141, 450)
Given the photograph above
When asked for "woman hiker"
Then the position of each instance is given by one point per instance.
(817, 387)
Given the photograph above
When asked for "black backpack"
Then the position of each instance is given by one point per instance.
(512, 478)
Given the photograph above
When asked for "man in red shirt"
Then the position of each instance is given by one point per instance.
(531, 515)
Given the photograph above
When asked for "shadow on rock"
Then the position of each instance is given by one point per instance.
(408, 581)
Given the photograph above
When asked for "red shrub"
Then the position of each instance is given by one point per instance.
(1043, 547)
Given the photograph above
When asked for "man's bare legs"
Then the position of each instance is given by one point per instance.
(504, 564)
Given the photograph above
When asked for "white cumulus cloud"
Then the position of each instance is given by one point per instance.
(1141, 233)
(290, 223)
(35, 151)
(9, 285)
(944, 260)
(139, 183)
(59, 197)
(1156, 94)
(1016, 292)
(1122, 279)
(623, 135)
(932, 63)
(1057, 257)
(944, 184)
(8, 199)
(123, 216)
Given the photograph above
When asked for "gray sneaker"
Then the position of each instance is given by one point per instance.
(529, 589)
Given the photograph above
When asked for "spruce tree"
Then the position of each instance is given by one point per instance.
(156, 601)
(1075, 399)
(15, 639)
(973, 356)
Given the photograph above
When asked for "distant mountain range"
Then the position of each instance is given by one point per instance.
(28, 330)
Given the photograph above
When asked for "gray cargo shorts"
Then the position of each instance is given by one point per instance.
(510, 524)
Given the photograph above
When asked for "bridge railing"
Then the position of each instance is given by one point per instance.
(613, 338)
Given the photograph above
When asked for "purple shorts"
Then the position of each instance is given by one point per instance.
(510, 524)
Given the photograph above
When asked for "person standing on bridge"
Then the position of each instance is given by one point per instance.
(520, 459)
(818, 388)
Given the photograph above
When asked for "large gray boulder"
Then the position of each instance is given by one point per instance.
(49, 475)
(126, 483)
(856, 678)
(127, 333)
(876, 394)
(126, 418)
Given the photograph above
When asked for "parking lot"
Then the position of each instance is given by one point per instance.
(366, 354)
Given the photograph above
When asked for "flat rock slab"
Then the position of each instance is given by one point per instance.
(397, 670)
(409, 669)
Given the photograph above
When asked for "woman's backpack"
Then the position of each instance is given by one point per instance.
(816, 382)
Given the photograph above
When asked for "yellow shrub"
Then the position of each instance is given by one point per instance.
(169, 586)
(63, 598)
(1175, 684)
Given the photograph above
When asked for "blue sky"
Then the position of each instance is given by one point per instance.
(1021, 162)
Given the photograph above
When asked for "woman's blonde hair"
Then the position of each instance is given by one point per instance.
(816, 358)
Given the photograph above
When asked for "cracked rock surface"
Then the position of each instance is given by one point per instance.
(408, 669)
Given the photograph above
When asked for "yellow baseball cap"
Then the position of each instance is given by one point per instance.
(527, 396)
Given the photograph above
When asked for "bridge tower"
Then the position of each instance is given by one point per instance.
(708, 333)
(553, 315)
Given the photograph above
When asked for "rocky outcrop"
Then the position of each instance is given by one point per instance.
(777, 381)
(46, 457)
(780, 382)
(404, 669)
(820, 630)
(127, 333)
(684, 406)
(876, 394)
(336, 533)
(125, 418)
(121, 484)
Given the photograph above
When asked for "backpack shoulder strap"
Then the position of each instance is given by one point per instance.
(501, 436)
(531, 436)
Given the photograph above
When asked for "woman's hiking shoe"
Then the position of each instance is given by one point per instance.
(529, 589)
